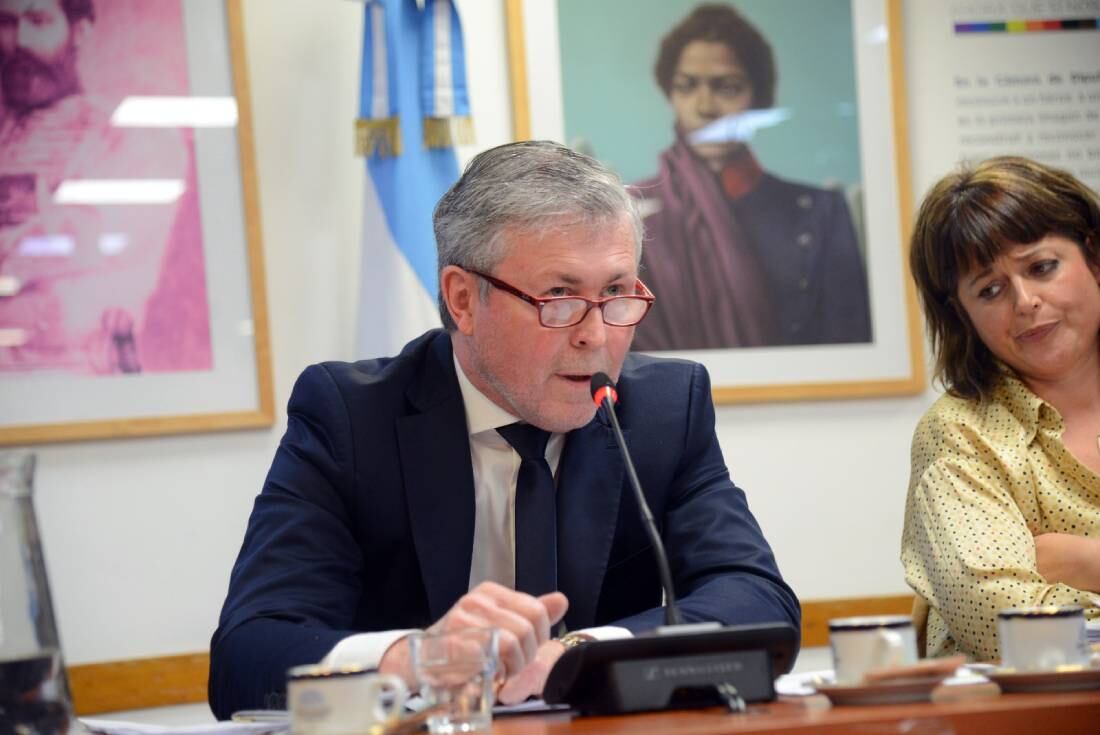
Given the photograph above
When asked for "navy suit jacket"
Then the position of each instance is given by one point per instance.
(366, 519)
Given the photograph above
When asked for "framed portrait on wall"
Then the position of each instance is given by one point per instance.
(131, 275)
(765, 143)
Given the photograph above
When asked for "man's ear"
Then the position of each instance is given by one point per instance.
(460, 293)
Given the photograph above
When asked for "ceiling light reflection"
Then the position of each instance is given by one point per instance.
(10, 285)
(119, 191)
(175, 112)
(739, 127)
(47, 245)
(13, 337)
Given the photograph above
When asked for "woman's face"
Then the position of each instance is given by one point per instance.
(709, 83)
(1037, 308)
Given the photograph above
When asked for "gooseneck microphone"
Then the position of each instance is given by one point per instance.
(678, 665)
(605, 396)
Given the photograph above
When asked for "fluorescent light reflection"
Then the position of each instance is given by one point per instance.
(13, 337)
(877, 36)
(37, 246)
(10, 285)
(740, 127)
(113, 243)
(175, 112)
(119, 191)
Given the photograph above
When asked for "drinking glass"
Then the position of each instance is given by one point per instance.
(456, 672)
(34, 696)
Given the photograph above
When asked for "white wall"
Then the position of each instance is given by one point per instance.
(140, 534)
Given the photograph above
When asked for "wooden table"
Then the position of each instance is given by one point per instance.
(989, 714)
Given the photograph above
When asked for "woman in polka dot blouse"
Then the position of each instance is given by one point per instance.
(1004, 497)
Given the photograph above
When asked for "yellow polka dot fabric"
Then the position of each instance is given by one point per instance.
(987, 477)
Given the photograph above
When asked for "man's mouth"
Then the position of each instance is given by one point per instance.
(580, 378)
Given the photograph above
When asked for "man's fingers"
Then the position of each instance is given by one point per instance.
(556, 605)
(512, 656)
(524, 623)
(507, 620)
(462, 615)
(531, 680)
(523, 604)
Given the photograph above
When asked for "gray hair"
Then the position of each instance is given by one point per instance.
(534, 186)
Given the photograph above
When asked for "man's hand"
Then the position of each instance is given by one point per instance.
(524, 623)
(1068, 559)
(532, 678)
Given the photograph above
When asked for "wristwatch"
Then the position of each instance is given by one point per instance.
(572, 640)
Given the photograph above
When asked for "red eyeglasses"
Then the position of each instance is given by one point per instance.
(557, 312)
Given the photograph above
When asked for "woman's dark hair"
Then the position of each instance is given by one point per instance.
(969, 218)
(722, 24)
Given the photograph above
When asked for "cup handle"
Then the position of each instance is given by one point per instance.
(890, 650)
(381, 684)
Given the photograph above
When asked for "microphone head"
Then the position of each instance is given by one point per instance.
(603, 387)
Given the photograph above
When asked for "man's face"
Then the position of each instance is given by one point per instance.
(37, 54)
(539, 374)
(709, 84)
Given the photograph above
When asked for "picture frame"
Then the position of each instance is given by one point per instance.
(545, 91)
(190, 352)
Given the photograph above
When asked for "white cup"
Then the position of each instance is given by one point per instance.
(342, 701)
(873, 642)
(1043, 638)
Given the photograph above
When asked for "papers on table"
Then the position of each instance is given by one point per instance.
(530, 707)
(117, 727)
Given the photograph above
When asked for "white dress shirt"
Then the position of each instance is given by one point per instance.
(496, 471)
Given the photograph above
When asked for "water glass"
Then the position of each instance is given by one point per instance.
(33, 688)
(456, 671)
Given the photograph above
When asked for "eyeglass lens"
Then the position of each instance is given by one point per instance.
(624, 311)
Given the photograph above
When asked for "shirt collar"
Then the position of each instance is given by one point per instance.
(481, 413)
(1028, 408)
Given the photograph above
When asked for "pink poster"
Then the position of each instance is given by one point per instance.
(101, 252)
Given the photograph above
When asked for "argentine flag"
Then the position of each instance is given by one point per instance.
(406, 78)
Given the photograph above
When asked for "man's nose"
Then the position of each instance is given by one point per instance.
(590, 331)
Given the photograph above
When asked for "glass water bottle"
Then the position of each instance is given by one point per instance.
(34, 697)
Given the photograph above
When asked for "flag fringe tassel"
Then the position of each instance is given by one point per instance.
(447, 132)
(379, 136)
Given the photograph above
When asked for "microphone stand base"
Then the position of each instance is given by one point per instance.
(728, 679)
(727, 667)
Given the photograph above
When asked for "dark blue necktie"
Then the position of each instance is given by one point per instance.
(536, 513)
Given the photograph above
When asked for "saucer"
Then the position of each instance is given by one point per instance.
(1070, 679)
(891, 691)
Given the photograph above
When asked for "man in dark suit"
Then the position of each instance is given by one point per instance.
(396, 501)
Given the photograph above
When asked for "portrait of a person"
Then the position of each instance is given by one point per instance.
(91, 269)
(737, 256)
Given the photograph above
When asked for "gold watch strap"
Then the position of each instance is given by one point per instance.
(571, 640)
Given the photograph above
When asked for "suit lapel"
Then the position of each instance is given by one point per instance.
(590, 483)
(435, 462)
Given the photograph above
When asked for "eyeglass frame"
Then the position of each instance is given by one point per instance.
(540, 301)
